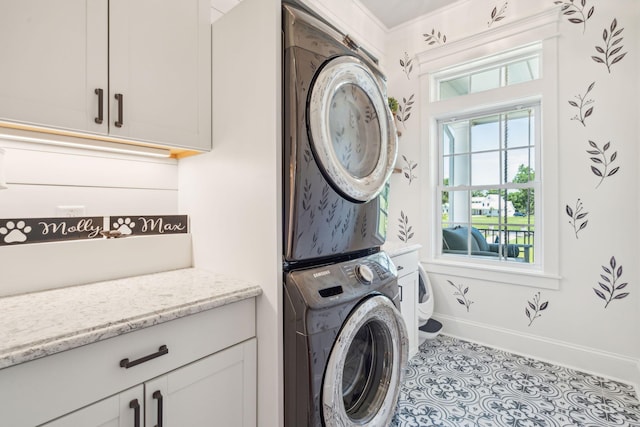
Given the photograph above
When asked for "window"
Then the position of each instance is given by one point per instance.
(508, 73)
(383, 211)
(490, 107)
(488, 185)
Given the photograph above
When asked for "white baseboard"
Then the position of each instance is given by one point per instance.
(593, 361)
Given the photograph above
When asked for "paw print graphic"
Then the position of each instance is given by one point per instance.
(15, 232)
(124, 226)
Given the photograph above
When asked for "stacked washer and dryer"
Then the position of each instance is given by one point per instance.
(345, 342)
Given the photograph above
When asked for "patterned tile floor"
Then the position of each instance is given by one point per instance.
(455, 383)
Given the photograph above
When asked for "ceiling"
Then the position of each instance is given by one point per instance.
(395, 12)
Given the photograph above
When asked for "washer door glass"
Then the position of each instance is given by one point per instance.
(351, 130)
(364, 371)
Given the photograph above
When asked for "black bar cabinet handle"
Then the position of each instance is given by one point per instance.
(100, 94)
(162, 350)
(158, 396)
(135, 405)
(119, 122)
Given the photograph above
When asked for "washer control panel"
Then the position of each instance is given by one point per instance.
(364, 273)
(330, 283)
(367, 270)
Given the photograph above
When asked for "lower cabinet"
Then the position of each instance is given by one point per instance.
(407, 266)
(216, 390)
(121, 410)
(219, 390)
(195, 371)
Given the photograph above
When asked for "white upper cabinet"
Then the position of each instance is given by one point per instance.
(136, 70)
(53, 58)
(160, 62)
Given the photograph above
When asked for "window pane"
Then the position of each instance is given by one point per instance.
(520, 164)
(459, 207)
(383, 198)
(454, 87)
(478, 78)
(485, 235)
(519, 129)
(523, 71)
(485, 133)
(485, 168)
(485, 80)
(478, 203)
(445, 209)
(447, 140)
(459, 169)
(446, 177)
(523, 204)
(457, 140)
(495, 204)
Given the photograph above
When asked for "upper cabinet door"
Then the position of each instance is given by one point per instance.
(160, 71)
(53, 58)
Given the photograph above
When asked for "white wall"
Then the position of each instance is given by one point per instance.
(40, 177)
(576, 329)
(233, 193)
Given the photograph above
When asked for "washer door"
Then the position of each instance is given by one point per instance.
(351, 129)
(364, 371)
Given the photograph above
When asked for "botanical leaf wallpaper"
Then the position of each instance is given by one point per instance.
(407, 65)
(577, 12)
(404, 109)
(406, 231)
(610, 54)
(409, 169)
(578, 217)
(585, 109)
(435, 37)
(498, 14)
(602, 161)
(461, 295)
(609, 283)
(535, 307)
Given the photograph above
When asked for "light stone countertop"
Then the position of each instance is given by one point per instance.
(43, 323)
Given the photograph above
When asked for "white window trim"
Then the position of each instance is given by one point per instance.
(540, 28)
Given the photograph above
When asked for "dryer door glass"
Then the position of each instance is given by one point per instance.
(351, 130)
(355, 137)
(363, 374)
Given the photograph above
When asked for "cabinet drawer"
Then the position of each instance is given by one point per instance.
(406, 263)
(40, 390)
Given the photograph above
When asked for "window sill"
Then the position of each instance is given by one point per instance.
(523, 276)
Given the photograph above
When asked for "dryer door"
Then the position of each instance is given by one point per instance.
(351, 129)
(363, 375)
